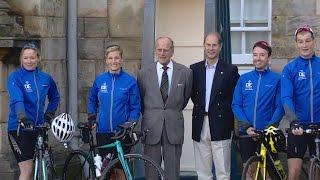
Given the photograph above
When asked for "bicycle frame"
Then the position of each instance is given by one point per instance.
(40, 159)
(263, 154)
(124, 163)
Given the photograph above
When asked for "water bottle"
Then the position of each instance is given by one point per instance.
(97, 164)
(106, 161)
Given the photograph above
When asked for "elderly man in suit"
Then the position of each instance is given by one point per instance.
(165, 88)
(212, 117)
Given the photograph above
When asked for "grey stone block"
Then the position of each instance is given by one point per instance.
(56, 8)
(53, 48)
(132, 66)
(86, 73)
(56, 27)
(80, 27)
(83, 100)
(4, 107)
(52, 67)
(91, 48)
(126, 18)
(96, 8)
(95, 27)
(293, 8)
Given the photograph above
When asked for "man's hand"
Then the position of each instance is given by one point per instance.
(48, 116)
(296, 128)
(250, 131)
(92, 119)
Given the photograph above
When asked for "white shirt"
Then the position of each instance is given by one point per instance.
(169, 72)
(210, 70)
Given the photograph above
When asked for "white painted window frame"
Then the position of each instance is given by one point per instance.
(244, 58)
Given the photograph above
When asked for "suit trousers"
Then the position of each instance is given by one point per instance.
(171, 154)
(208, 152)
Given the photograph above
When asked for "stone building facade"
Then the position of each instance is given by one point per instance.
(101, 23)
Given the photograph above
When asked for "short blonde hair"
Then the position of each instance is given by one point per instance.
(113, 48)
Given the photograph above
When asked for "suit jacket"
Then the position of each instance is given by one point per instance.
(156, 113)
(221, 119)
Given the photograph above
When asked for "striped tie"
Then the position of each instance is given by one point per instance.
(164, 86)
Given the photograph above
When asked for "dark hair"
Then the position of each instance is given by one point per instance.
(264, 45)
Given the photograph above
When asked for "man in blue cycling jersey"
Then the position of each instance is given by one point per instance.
(256, 100)
(300, 95)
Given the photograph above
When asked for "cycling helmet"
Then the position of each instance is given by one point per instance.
(275, 140)
(62, 127)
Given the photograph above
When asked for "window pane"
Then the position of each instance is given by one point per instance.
(235, 13)
(253, 37)
(236, 42)
(255, 11)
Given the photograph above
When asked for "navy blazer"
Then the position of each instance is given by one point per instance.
(221, 119)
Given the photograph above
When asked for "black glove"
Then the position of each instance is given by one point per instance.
(92, 118)
(25, 123)
(48, 116)
(295, 125)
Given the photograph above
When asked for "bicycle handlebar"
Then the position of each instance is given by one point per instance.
(125, 129)
(311, 129)
(44, 126)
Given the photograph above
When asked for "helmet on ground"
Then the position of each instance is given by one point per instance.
(62, 127)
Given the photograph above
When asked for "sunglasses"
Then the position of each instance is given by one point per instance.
(306, 28)
(30, 46)
(265, 44)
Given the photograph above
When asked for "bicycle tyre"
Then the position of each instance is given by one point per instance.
(246, 170)
(136, 172)
(78, 167)
(314, 172)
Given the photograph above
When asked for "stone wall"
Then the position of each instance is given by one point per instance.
(100, 24)
(287, 16)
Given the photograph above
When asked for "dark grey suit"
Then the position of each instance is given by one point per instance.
(164, 121)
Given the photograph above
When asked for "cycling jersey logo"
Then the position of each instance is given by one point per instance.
(28, 87)
(249, 85)
(104, 88)
(302, 75)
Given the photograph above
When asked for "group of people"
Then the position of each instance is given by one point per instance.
(257, 99)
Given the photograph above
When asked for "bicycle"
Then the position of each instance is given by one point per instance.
(80, 165)
(314, 171)
(265, 164)
(43, 157)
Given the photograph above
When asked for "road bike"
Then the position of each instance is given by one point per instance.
(265, 164)
(80, 165)
(43, 157)
(314, 171)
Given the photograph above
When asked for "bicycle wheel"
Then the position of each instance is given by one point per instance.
(78, 167)
(137, 165)
(250, 169)
(39, 170)
(314, 173)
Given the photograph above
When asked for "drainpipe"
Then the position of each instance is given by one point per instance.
(72, 68)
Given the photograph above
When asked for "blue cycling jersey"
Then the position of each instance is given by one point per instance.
(300, 89)
(256, 100)
(28, 91)
(116, 99)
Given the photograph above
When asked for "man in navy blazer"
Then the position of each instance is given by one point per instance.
(214, 81)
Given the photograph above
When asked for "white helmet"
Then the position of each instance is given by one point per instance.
(62, 127)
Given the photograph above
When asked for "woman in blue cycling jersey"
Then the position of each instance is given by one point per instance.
(114, 99)
(28, 89)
